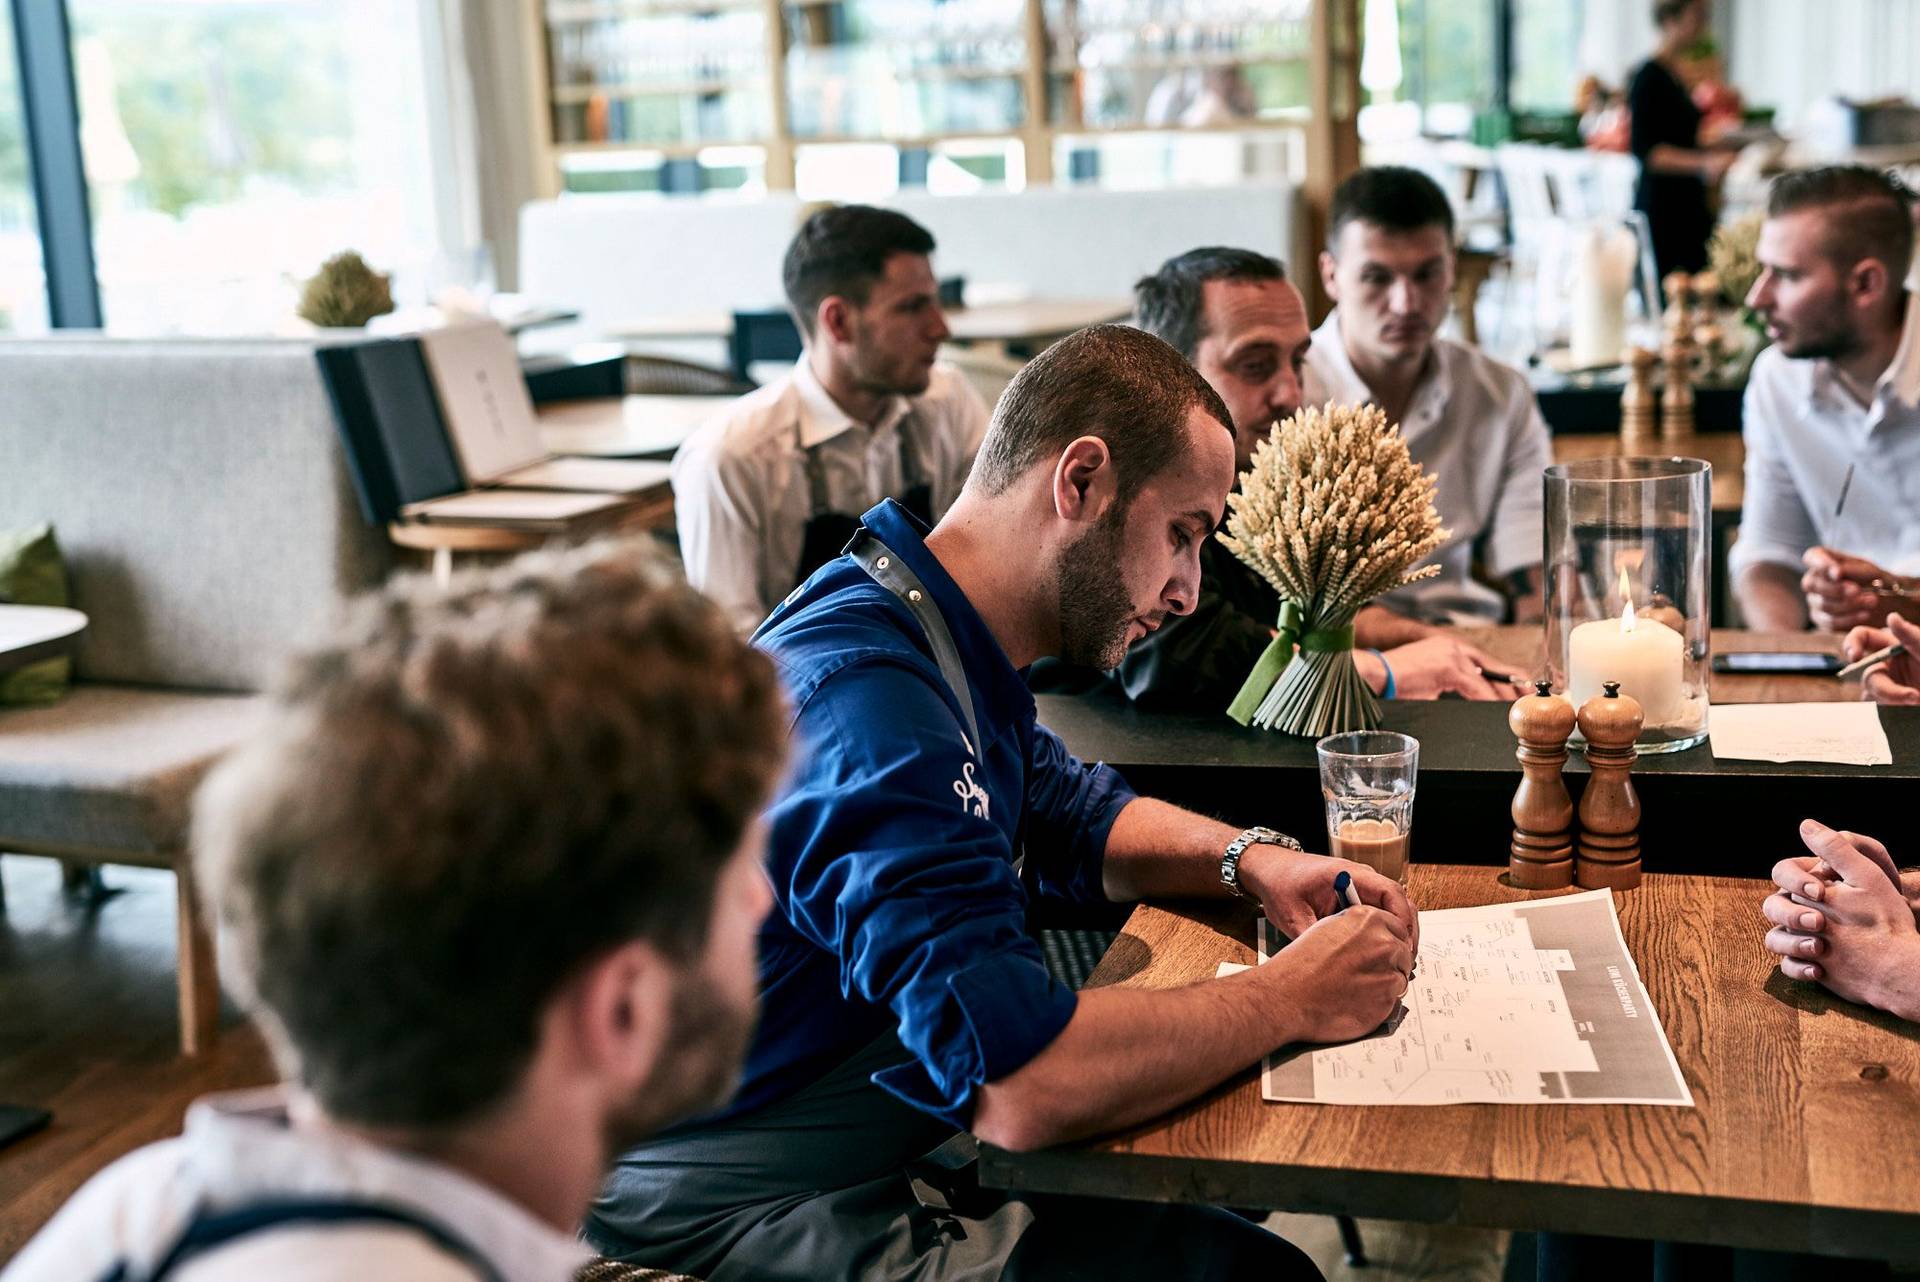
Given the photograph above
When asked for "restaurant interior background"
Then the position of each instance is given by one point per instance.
(229, 146)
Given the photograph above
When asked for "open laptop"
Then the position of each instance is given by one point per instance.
(489, 418)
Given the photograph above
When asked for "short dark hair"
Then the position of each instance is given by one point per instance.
(463, 798)
(1391, 197)
(1873, 212)
(1118, 383)
(1665, 11)
(1171, 303)
(842, 250)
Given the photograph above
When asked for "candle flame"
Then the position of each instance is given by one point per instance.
(1626, 596)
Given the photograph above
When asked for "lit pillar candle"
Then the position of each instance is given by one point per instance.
(1645, 656)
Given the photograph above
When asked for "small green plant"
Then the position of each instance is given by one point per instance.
(345, 293)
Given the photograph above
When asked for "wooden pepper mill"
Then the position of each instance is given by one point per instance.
(1637, 422)
(1676, 394)
(1609, 854)
(1541, 856)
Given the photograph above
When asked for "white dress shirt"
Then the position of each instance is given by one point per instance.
(1475, 425)
(238, 1149)
(1808, 441)
(741, 495)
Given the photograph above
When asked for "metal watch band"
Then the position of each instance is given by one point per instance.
(1230, 862)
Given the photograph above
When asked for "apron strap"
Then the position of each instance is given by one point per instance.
(887, 569)
(816, 480)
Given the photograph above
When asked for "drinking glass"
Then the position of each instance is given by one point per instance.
(1366, 779)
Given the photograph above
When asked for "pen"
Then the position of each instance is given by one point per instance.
(1501, 678)
(1845, 485)
(1343, 891)
(1860, 665)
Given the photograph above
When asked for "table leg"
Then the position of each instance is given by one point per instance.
(442, 567)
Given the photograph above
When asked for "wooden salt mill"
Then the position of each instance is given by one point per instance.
(1541, 856)
(1609, 853)
(1637, 424)
(1676, 393)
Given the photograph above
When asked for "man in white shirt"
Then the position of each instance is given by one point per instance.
(772, 488)
(1467, 418)
(1830, 525)
(489, 876)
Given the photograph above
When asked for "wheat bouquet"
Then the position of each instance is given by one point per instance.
(1333, 512)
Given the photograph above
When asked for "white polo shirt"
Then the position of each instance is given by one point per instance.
(238, 1149)
(741, 494)
(1475, 425)
(1806, 435)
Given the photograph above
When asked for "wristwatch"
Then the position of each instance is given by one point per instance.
(1230, 862)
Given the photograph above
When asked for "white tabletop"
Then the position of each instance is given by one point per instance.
(29, 633)
(1014, 321)
(625, 426)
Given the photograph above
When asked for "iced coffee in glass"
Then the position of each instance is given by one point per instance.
(1367, 778)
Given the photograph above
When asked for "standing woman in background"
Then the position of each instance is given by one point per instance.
(1675, 171)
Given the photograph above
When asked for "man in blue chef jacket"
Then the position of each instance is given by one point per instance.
(905, 1008)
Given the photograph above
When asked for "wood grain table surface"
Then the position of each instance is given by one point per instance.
(1802, 1137)
(1727, 451)
(1524, 648)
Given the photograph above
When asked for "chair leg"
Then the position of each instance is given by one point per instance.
(1350, 1239)
(199, 975)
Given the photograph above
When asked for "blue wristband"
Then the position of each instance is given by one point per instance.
(1388, 692)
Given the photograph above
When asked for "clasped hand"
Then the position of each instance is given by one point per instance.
(1844, 918)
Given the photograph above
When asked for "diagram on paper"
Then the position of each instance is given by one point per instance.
(1524, 1003)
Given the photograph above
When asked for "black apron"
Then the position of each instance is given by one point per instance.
(829, 531)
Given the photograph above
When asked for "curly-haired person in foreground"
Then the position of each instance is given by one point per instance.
(489, 878)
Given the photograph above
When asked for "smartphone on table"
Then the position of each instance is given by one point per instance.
(1755, 663)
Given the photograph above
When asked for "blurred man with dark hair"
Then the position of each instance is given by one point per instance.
(1467, 418)
(489, 878)
(1828, 533)
(772, 488)
(906, 1007)
(1241, 323)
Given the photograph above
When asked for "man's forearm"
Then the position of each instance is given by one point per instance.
(1117, 1063)
(1770, 598)
(1379, 628)
(1156, 850)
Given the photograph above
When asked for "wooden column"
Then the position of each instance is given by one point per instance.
(1333, 132)
(780, 117)
(1037, 136)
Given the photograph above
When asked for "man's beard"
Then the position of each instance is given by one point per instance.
(706, 1042)
(1826, 336)
(1094, 606)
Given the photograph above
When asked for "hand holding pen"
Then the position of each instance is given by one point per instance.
(1889, 658)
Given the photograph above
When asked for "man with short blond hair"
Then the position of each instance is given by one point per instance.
(489, 878)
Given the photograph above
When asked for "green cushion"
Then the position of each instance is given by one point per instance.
(32, 573)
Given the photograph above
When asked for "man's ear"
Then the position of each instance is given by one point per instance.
(834, 318)
(1084, 481)
(622, 1010)
(1329, 276)
(1869, 281)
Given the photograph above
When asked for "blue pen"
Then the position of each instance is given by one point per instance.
(1343, 891)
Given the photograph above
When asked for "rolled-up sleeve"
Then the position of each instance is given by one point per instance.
(1071, 807)
(1774, 526)
(883, 852)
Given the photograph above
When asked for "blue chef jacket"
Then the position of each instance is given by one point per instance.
(892, 847)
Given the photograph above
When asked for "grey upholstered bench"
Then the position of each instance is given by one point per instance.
(199, 492)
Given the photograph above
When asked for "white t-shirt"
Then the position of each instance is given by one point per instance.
(1474, 423)
(1808, 442)
(742, 495)
(238, 1149)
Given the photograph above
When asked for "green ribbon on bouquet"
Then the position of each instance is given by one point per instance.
(1279, 653)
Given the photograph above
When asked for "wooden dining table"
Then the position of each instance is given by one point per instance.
(1801, 1136)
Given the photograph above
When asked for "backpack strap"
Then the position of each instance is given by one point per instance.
(210, 1230)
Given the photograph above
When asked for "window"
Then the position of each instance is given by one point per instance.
(232, 145)
(1546, 44)
(23, 291)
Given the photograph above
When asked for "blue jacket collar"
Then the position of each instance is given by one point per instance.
(1001, 690)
